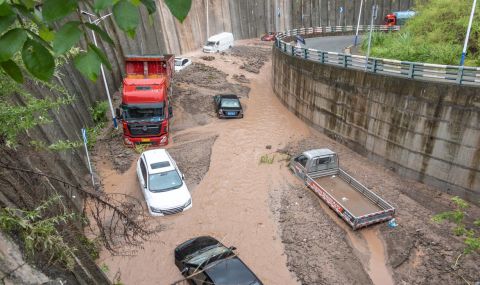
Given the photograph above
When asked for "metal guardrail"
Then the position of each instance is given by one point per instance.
(465, 75)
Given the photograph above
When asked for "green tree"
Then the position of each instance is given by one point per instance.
(29, 39)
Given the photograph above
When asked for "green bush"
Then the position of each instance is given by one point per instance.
(99, 112)
(38, 231)
(435, 35)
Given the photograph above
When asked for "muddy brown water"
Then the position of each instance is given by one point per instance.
(369, 248)
(231, 203)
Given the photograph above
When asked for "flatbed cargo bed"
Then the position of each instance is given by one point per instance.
(347, 196)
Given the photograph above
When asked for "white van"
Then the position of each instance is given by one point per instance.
(219, 42)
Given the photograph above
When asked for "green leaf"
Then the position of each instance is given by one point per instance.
(12, 69)
(103, 58)
(101, 32)
(88, 64)
(126, 16)
(57, 9)
(66, 37)
(38, 60)
(6, 22)
(39, 40)
(5, 9)
(28, 3)
(150, 5)
(179, 8)
(101, 5)
(46, 34)
(136, 3)
(11, 42)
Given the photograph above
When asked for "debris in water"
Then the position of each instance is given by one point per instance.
(208, 58)
(392, 223)
(344, 199)
(268, 147)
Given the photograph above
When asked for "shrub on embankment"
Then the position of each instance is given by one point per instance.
(435, 35)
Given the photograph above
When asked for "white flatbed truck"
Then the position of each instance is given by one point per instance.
(353, 202)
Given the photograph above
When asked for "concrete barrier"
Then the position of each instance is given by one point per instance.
(423, 130)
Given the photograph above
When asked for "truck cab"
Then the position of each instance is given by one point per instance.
(312, 161)
(145, 110)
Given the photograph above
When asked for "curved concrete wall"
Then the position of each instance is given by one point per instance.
(427, 131)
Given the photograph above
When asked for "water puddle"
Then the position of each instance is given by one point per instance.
(377, 268)
(369, 248)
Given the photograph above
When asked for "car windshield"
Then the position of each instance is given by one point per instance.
(207, 254)
(230, 103)
(178, 62)
(135, 113)
(164, 181)
(210, 44)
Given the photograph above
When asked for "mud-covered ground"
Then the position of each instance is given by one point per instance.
(419, 251)
(276, 223)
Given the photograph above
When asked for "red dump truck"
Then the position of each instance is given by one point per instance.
(353, 202)
(145, 109)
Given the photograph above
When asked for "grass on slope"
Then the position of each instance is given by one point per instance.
(435, 35)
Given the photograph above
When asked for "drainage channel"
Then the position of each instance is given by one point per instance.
(369, 248)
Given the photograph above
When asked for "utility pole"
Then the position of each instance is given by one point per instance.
(208, 31)
(96, 22)
(464, 52)
(320, 11)
(374, 16)
(358, 22)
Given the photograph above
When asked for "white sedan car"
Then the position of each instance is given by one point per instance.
(181, 63)
(162, 183)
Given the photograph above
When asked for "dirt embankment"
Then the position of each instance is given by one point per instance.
(317, 248)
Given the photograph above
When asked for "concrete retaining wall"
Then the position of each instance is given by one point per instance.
(426, 131)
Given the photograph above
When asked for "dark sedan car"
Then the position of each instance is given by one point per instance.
(270, 36)
(228, 106)
(204, 260)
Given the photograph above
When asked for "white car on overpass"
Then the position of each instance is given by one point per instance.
(162, 183)
(181, 63)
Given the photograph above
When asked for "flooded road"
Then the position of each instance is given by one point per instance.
(230, 203)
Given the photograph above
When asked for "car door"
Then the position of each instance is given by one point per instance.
(300, 165)
(216, 101)
(142, 176)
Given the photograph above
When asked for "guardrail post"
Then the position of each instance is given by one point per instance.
(293, 50)
(460, 75)
(322, 57)
(284, 47)
(411, 70)
(345, 60)
(305, 53)
(374, 66)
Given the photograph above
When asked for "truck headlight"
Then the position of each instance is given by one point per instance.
(189, 202)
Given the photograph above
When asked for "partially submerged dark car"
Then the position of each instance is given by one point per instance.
(204, 260)
(228, 106)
